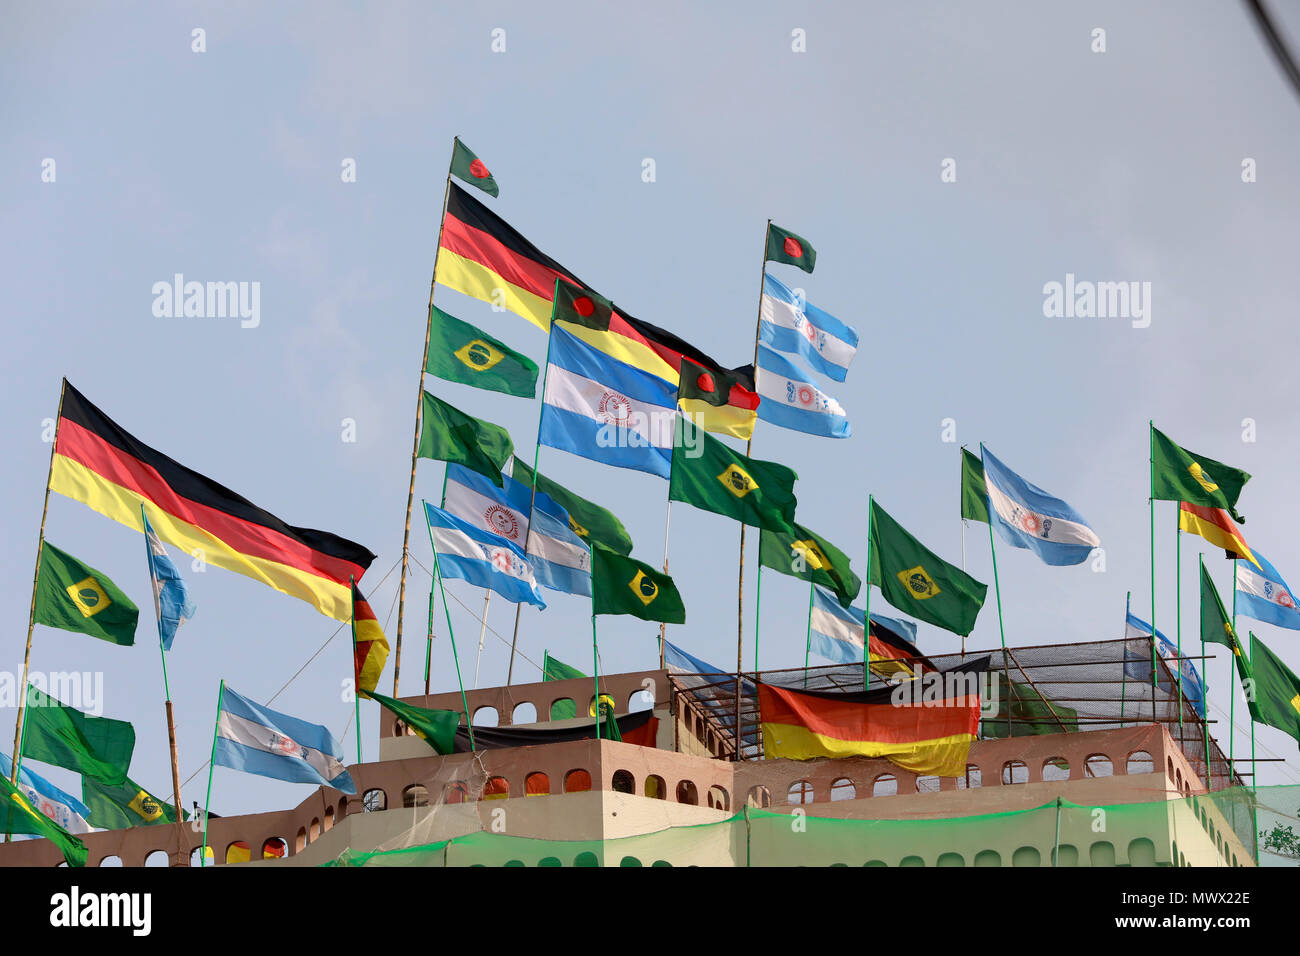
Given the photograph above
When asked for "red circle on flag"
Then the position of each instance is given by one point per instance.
(1284, 599)
(1030, 523)
(478, 170)
(705, 382)
(792, 247)
(583, 306)
(805, 395)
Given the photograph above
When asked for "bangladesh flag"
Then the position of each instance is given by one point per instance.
(118, 806)
(974, 492)
(17, 815)
(800, 553)
(589, 521)
(437, 727)
(469, 168)
(784, 246)
(460, 352)
(709, 475)
(75, 597)
(701, 392)
(622, 585)
(57, 734)
(448, 434)
(581, 306)
(917, 581)
(1274, 693)
(1180, 475)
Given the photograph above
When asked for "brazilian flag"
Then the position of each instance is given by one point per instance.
(1272, 690)
(802, 554)
(1181, 475)
(75, 597)
(712, 477)
(116, 807)
(460, 352)
(622, 585)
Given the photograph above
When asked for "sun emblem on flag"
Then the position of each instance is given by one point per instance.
(738, 481)
(500, 559)
(644, 587)
(918, 582)
(805, 396)
(502, 521)
(285, 745)
(1029, 522)
(615, 409)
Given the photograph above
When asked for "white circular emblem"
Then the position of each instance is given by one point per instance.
(502, 521)
(615, 409)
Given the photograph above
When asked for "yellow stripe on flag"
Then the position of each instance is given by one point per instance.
(479, 282)
(940, 756)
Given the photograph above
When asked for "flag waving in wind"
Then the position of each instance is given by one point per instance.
(792, 400)
(1028, 517)
(790, 323)
(1263, 595)
(259, 740)
(171, 598)
(483, 559)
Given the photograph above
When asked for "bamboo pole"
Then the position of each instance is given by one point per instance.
(415, 445)
(866, 614)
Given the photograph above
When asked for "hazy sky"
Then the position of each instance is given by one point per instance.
(225, 165)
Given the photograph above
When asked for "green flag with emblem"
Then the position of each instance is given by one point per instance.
(786, 246)
(709, 475)
(803, 554)
(75, 597)
(118, 806)
(1272, 690)
(1180, 475)
(622, 585)
(589, 521)
(460, 352)
(1216, 626)
(917, 581)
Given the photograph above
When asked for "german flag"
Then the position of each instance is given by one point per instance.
(106, 468)
(369, 645)
(891, 653)
(1216, 526)
(930, 732)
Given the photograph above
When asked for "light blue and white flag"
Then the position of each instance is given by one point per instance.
(1138, 666)
(502, 511)
(171, 598)
(681, 664)
(837, 631)
(1263, 595)
(63, 808)
(712, 687)
(256, 739)
(561, 560)
(1028, 517)
(606, 410)
(792, 400)
(790, 323)
(482, 558)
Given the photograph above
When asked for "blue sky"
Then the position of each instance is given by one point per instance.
(225, 165)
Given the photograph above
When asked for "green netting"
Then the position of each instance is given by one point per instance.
(1195, 831)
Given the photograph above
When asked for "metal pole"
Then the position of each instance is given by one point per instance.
(356, 675)
(482, 634)
(415, 445)
(207, 800)
(1178, 615)
(997, 590)
(451, 634)
(807, 647)
(1151, 434)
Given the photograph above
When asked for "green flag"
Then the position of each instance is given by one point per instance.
(974, 492)
(469, 168)
(589, 521)
(1273, 690)
(710, 476)
(448, 434)
(57, 734)
(1216, 626)
(19, 816)
(75, 597)
(917, 581)
(1180, 475)
(118, 806)
(1031, 713)
(622, 585)
(785, 246)
(803, 554)
(437, 727)
(558, 670)
(460, 352)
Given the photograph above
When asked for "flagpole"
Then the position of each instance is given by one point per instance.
(356, 674)
(31, 615)
(1151, 435)
(1254, 767)
(1205, 727)
(866, 615)
(537, 456)
(1232, 701)
(482, 633)
(807, 648)
(668, 514)
(749, 445)
(1178, 618)
(415, 445)
(167, 700)
(437, 576)
(1123, 675)
(997, 590)
(428, 641)
(216, 729)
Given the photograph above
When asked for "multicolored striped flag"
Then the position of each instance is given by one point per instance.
(171, 598)
(103, 466)
(1263, 595)
(790, 323)
(63, 808)
(262, 741)
(1027, 517)
(836, 634)
(369, 645)
(1216, 526)
(790, 399)
(484, 559)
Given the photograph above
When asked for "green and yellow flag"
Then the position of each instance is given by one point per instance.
(466, 166)
(1272, 690)
(460, 352)
(1180, 475)
(118, 806)
(622, 585)
(437, 727)
(589, 521)
(448, 434)
(974, 492)
(803, 554)
(63, 736)
(1216, 626)
(712, 477)
(17, 815)
(917, 581)
(75, 597)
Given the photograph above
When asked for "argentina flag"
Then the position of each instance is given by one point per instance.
(1137, 664)
(560, 559)
(791, 399)
(1263, 595)
(484, 559)
(837, 631)
(171, 598)
(256, 739)
(503, 511)
(1028, 517)
(789, 323)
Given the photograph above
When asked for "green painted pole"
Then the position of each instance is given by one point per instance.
(1232, 699)
(1151, 474)
(1178, 615)
(451, 634)
(428, 641)
(866, 617)
(1205, 726)
(997, 590)
(207, 800)
(595, 654)
(807, 648)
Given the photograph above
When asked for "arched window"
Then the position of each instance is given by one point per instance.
(1101, 853)
(801, 791)
(988, 858)
(274, 848)
(525, 713)
(640, 700)
(911, 861)
(486, 717)
(1097, 765)
(577, 781)
(886, 785)
(117, 860)
(843, 789)
(586, 858)
(1139, 761)
(927, 784)
(623, 782)
(1056, 770)
(300, 841)
(718, 798)
(373, 800)
(563, 708)
(496, 788)
(238, 852)
(313, 832)
(537, 784)
(973, 778)
(157, 858)
(416, 796)
(1027, 856)
(654, 787)
(759, 797)
(455, 792)
(1015, 771)
(329, 818)
(686, 793)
